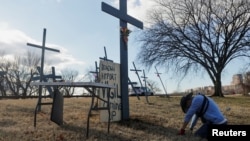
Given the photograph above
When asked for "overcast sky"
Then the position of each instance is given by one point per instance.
(80, 30)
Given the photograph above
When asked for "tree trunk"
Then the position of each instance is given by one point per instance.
(218, 87)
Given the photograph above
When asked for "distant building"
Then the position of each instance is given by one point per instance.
(239, 84)
(237, 79)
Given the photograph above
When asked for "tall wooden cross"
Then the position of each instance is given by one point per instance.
(42, 61)
(124, 19)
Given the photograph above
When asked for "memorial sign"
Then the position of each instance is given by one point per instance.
(109, 73)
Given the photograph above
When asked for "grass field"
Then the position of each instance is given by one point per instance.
(158, 120)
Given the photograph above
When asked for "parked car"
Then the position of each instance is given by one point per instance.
(141, 91)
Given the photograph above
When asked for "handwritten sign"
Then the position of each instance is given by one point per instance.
(109, 73)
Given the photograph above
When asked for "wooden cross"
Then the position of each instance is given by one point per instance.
(133, 88)
(106, 57)
(145, 82)
(52, 76)
(136, 72)
(158, 75)
(96, 72)
(42, 61)
(124, 19)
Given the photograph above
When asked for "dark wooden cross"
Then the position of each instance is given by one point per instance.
(133, 88)
(96, 72)
(145, 82)
(43, 47)
(105, 57)
(136, 72)
(52, 76)
(124, 19)
(158, 75)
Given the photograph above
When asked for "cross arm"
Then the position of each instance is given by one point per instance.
(51, 49)
(134, 70)
(46, 76)
(117, 13)
(157, 73)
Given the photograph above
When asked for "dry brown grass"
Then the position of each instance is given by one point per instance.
(158, 121)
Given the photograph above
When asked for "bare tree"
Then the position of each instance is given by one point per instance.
(2, 81)
(27, 69)
(69, 75)
(153, 86)
(19, 73)
(191, 36)
(11, 78)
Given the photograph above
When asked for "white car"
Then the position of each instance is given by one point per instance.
(140, 91)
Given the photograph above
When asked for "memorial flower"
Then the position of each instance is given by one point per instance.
(125, 33)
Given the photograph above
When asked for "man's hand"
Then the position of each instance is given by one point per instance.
(181, 132)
